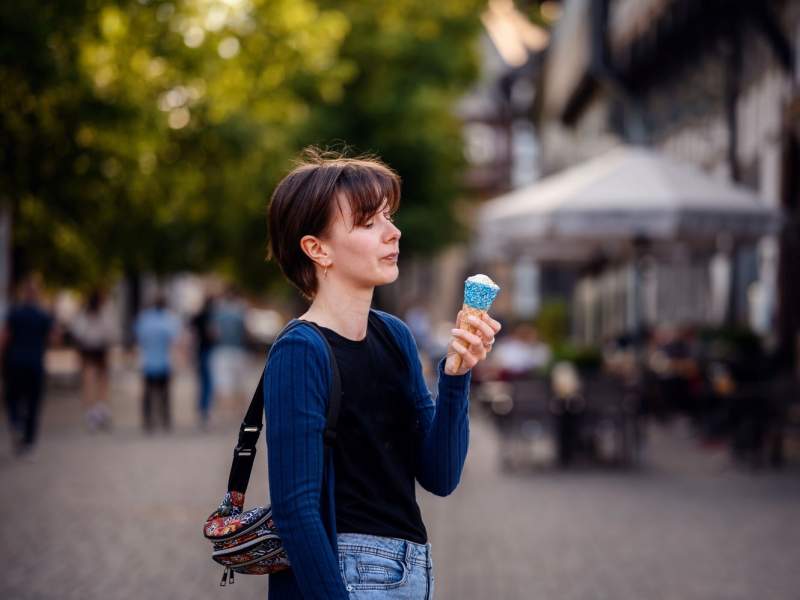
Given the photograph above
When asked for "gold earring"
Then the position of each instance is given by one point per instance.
(325, 274)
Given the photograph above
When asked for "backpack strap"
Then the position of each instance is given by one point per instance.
(245, 452)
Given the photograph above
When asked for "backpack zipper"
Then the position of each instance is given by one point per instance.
(237, 549)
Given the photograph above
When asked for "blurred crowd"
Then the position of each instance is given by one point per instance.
(213, 339)
(593, 404)
(563, 403)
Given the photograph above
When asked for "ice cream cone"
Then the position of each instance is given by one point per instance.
(479, 293)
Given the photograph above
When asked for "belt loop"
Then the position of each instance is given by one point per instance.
(409, 553)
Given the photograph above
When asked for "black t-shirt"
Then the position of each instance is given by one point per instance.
(375, 450)
(201, 323)
(28, 327)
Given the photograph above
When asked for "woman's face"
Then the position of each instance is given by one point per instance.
(365, 255)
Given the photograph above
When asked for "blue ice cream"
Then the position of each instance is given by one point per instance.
(479, 292)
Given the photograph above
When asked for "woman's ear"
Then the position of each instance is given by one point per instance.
(316, 250)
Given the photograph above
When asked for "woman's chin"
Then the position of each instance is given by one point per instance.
(391, 275)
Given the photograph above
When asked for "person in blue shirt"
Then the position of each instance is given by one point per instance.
(156, 330)
(359, 535)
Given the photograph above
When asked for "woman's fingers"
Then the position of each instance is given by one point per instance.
(483, 327)
(468, 358)
(468, 337)
(486, 326)
(473, 347)
(495, 325)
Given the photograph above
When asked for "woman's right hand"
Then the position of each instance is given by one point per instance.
(470, 347)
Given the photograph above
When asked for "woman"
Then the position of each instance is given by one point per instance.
(361, 536)
(94, 335)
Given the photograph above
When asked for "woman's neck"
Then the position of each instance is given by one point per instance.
(344, 311)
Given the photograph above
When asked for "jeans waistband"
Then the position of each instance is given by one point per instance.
(403, 550)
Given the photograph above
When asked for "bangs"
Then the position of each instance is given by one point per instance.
(368, 185)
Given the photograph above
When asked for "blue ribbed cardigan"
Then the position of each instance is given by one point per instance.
(296, 389)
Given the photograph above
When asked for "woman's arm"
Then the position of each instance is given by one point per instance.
(444, 429)
(444, 424)
(295, 400)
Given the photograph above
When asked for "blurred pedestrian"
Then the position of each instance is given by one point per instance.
(157, 330)
(205, 337)
(672, 361)
(520, 352)
(28, 328)
(228, 362)
(93, 333)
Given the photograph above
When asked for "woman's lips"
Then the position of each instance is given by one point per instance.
(392, 257)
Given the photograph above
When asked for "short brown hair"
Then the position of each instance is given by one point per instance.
(302, 204)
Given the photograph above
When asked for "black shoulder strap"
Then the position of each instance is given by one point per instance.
(245, 452)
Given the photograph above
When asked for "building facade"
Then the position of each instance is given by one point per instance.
(713, 83)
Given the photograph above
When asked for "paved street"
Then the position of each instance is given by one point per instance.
(118, 516)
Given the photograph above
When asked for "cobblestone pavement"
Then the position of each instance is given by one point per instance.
(118, 516)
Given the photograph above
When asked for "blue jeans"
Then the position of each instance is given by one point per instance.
(381, 568)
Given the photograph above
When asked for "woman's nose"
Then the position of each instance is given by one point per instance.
(394, 232)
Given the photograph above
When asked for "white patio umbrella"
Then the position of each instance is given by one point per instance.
(628, 192)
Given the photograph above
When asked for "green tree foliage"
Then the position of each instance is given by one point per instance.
(147, 135)
(413, 60)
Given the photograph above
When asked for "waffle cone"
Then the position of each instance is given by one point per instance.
(464, 324)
